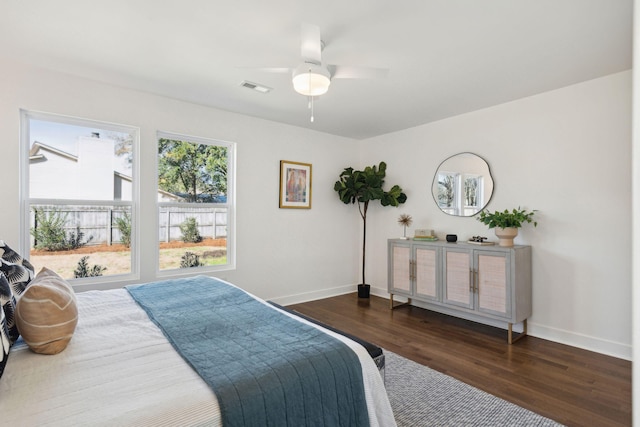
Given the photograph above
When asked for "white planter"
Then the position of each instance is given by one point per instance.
(506, 236)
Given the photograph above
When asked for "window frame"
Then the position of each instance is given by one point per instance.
(26, 116)
(229, 205)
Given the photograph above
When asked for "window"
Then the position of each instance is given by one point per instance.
(195, 202)
(78, 194)
(460, 194)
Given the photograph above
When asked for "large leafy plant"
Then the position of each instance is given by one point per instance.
(505, 219)
(362, 187)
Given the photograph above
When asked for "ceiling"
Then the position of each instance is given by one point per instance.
(445, 57)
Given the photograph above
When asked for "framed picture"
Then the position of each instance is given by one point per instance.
(295, 185)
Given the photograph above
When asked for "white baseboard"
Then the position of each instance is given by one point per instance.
(315, 295)
(598, 345)
(586, 342)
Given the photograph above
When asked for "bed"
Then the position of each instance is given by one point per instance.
(124, 366)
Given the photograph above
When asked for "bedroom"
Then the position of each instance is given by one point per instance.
(582, 284)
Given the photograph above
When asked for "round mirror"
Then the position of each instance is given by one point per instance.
(462, 185)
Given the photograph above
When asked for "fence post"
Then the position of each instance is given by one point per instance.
(35, 227)
(109, 226)
(168, 225)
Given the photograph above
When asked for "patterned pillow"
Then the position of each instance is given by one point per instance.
(18, 270)
(8, 306)
(5, 345)
(12, 256)
(47, 313)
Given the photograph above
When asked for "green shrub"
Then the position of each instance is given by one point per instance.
(50, 235)
(190, 232)
(74, 241)
(189, 259)
(124, 225)
(49, 231)
(84, 270)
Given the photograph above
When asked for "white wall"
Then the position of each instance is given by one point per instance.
(292, 254)
(565, 153)
(635, 159)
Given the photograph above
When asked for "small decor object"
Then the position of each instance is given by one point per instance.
(362, 187)
(479, 240)
(507, 223)
(405, 221)
(425, 234)
(295, 185)
(452, 238)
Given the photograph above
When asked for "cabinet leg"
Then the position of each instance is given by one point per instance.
(393, 307)
(513, 339)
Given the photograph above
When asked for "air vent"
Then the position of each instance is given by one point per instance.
(255, 86)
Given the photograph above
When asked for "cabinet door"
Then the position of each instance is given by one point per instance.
(400, 274)
(426, 272)
(458, 273)
(493, 283)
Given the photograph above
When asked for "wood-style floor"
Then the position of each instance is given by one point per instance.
(572, 386)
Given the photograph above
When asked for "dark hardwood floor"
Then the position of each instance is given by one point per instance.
(572, 386)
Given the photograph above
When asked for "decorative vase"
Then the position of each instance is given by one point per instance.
(506, 236)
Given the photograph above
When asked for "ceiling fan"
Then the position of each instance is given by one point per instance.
(312, 77)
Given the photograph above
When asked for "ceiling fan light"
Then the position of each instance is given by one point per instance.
(311, 79)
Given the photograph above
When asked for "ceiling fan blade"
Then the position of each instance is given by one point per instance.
(278, 70)
(355, 72)
(275, 69)
(311, 47)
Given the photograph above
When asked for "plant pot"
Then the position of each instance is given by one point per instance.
(364, 291)
(506, 236)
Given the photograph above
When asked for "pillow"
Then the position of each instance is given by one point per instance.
(5, 345)
(8, 306)
(18, 270)
(47, 313)
(12, 256)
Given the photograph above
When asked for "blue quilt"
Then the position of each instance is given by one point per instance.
(265, 368)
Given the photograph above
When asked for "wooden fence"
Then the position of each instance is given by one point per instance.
(100, 222)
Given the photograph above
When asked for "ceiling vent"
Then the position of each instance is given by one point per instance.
(255, 86)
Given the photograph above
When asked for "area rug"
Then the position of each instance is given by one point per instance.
(421, 396)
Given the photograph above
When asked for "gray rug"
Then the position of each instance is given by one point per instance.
(421, 396)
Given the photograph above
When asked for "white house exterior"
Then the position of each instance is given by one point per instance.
(89, 175)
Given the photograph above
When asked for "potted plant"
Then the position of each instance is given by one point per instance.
(362, 187)
(506, 223)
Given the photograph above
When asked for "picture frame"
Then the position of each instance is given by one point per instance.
(295, 185)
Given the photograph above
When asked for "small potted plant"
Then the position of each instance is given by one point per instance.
(506, 223)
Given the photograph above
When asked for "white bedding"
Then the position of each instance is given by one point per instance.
(119, 369)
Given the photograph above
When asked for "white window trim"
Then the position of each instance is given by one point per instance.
(24, 244)
(230, 204)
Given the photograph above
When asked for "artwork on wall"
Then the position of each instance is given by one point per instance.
(295, 185)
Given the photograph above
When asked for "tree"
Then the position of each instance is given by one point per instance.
(123, 145)
(198, 171)
(362, 187)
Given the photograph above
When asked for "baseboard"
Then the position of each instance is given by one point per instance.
(585, 342)
(598, 345)
(315, 295)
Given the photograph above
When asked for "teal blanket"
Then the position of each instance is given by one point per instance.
(266, 368)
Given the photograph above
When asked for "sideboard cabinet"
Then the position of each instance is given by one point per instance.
(479, 283)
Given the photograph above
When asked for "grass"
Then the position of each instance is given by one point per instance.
(119, 261)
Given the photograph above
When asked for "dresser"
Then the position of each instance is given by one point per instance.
(487, 284)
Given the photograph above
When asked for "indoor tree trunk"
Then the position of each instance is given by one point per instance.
(363, 213)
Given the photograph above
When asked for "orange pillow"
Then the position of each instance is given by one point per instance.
(46, 313)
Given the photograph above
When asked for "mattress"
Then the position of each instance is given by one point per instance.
(119, 369)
